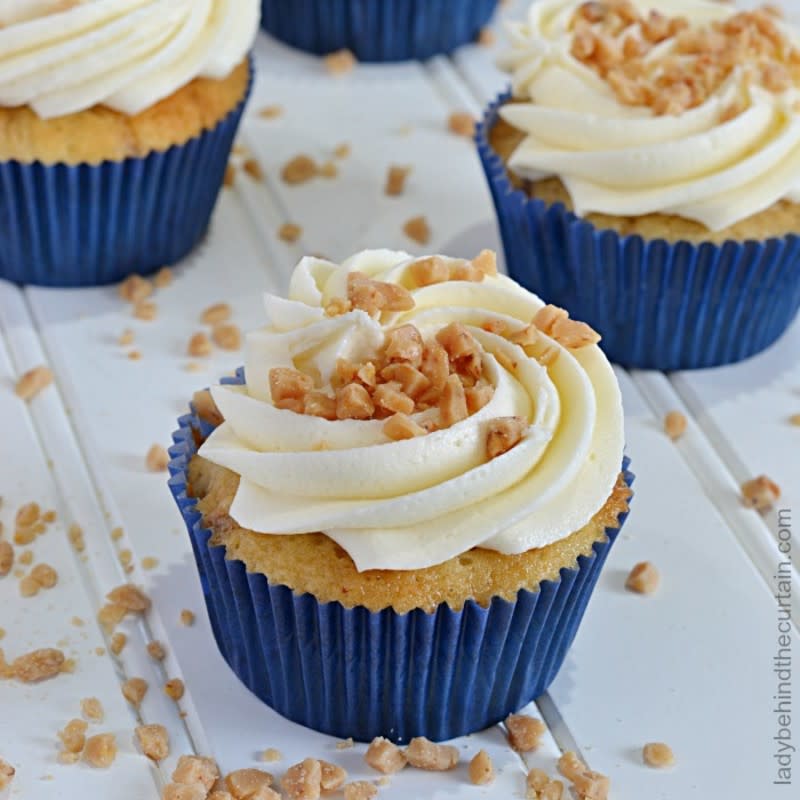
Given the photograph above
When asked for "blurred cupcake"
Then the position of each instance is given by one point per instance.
(401, 505)
(388, 30)
(116, 123)
(646, 173)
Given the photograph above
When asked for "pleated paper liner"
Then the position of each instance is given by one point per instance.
(85, 225)
(658, 305)
(377, 30)
(352, 672)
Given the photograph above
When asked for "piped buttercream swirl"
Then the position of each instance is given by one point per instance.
(60, 58)
(717, 161)
(418, 502)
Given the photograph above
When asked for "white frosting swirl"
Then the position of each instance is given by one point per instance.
(625, 161)
(60, 58)
(419, 502)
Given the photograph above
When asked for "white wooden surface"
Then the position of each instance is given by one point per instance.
(690, 666)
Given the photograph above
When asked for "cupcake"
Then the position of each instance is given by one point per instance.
(645, 168)
(387, 30)
(116, 123)
(400, 506)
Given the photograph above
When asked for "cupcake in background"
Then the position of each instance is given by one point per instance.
(386, 30)
(117, 118)
(400, 507)
(645, 168)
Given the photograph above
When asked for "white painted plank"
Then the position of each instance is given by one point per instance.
(691, 665)
(32, 714)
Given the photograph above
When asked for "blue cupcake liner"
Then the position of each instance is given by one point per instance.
(377, 30)
(88, 225)
(657, 305)
(352, 672)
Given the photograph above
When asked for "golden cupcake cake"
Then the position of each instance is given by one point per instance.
(645, 167)
(415, 480)
(116, 122)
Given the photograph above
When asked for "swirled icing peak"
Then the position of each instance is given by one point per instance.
(682, 107)
(413, 409)
(63, 57)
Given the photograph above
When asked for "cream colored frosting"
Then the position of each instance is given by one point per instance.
(59, 58)
(625, 161)
(415, 503)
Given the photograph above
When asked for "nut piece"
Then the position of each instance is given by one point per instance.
(73, 737)
(100, 750)
(760, 493)
(573, 334)
(658, 755)
(332, 776)
(199, 345)
(145, 310)
(546, 318)
(174, 689)
(340, 63)
(418, 230)
(7, 773)
(319, 404)
(675, 425)
(270, 112)
(353, 402)
(404, 344)
(75, 536)
(92, 709)
(486, 262)
(429, 270)
(303, 781)
(385, 756)
(214, 314)
(424, 754)
(396, 180)
(187, 791)
(196, 769)
(153, 740)
(33, 382)
(162, 278)
(390, 397)
(118, 642)
(453, 403)
(288, 387)
(462, 123)
(130, 597)
(134, 690)
(38, 665)
(400, 426)
(481, 769)
(135, 288)
(289, 232)
(588, 784)
(524, 732)
(156, 459)
(298, 170)
(245, 782)
(643, 578)
(374, 296)
(6, 558)
(502, 434)
(271, 754)
(206, 408)
(187, 617)
(227, 336)
(360, 790)
(253, 169)
(156, 650)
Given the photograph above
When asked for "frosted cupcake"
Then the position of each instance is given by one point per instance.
(116, 122)
(646, 173)
(401, 505)
(388, 30)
